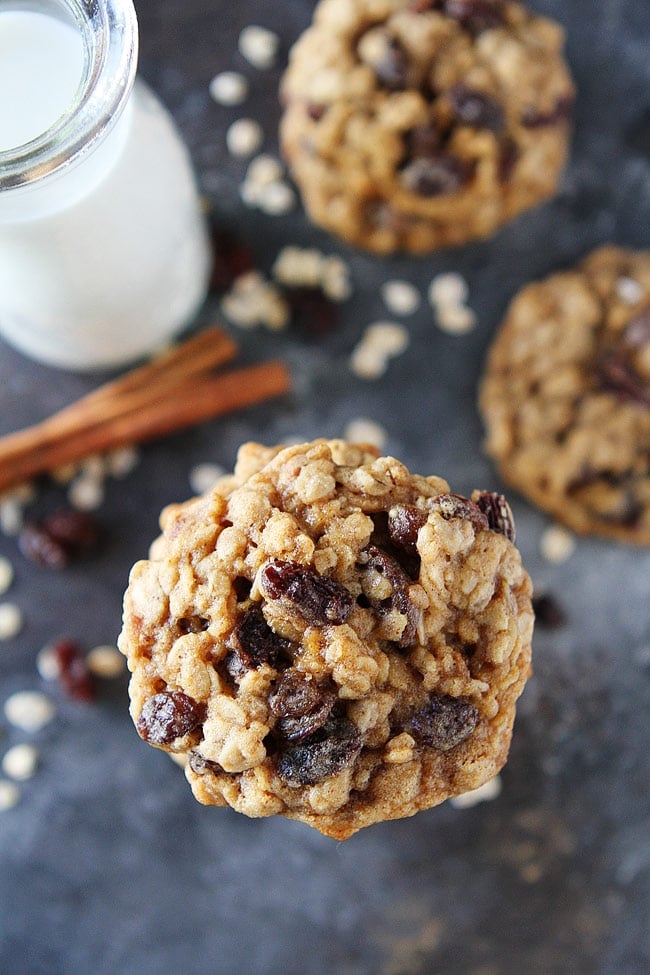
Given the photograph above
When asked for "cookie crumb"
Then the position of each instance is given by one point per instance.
(259, 46)
(6, 574)
(11, 621)
(20, 762)
(229, 88)
(244, 137)
(29, 710)
(9, 795)
(489, 790)
(363, 430)
(557, 544)
(105, 661)
(400, 297)
(203, 477)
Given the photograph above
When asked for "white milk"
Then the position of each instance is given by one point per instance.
(109, 259)
(41, 65)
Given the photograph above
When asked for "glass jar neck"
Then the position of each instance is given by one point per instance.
(109, 34)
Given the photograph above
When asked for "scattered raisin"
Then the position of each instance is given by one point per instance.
(192, 624)
(72, 671)
(548, 612)
(444, 722)
(561, 112)
(456, 506)
(376, 558)
(312, 312)
(435, 175)
(169, 715)
(404, 523)
(317, 598)
(329, 750)
(302, 706)
(39, 546)
(59, 538)
(476, 109)
(476, 15)
(498, 512)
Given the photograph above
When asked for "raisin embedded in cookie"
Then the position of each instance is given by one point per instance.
(328, 637)
(419, 124)
(566, 395)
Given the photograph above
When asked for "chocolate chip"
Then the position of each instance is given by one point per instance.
(456, 506)
(476, 109)
(498, 512)
(192, 624)
(329, 750)
(301, 705)
(254, 643)
(476, 16)
(435, 175)
(561, 112)
(378, 560)
(392, 68)
(169, 715)
(404, 523)
(548, 612)
(444, 722)
(317, 598)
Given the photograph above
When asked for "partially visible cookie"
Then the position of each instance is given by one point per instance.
(419, 124)
(566, 395)
(328, 637)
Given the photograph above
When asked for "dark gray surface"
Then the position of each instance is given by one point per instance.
(108, 866)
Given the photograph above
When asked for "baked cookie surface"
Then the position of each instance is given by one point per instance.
(419, 124)
(566, 395)
(328, 637)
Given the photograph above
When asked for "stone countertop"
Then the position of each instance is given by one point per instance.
(107, 864)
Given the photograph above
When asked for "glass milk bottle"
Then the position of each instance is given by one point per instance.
(104, 253)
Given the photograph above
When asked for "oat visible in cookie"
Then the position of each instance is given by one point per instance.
(420, 124)
(328, 637)
(566, 395)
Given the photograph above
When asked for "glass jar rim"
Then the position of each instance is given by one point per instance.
(110, 35)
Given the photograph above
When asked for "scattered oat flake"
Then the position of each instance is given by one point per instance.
(203, 477)
(11, 516)
(244, 137)
(363, 430)
(47, 663)
(86, 493)
(557, 544)
(11, 621)
(229, 88)
(629, 290)
(20, 762)
(121, 461)
(259, 46)
(29, 710)
(380, 342)
(6, 574)
(400, 297)
(455, 319)
(276, 199)
(9, 795)
(264, 169)
(253, 300)
(105, 661)
(489, 790)
(449, 288)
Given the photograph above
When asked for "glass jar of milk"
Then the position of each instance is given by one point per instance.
(104, 254)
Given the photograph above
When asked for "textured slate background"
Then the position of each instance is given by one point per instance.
(108, 866)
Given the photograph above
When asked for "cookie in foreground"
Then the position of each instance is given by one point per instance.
(420, 124)
(566, 395)
(328, 637)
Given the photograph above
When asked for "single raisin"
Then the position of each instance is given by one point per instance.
(72, 671)
(435, 175)
(201, 765)
(476, 109)
(329, 750)
(317, 598)
(77, 531)
(302, 706)
(444, 722)
(404, 523)
(254, 643)
(399, 601)
(476, 16)
(393, 67)
(169, 715)
(312, 312)
(37, 545)
(192, 624)
(456, 506)
(498, 513)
